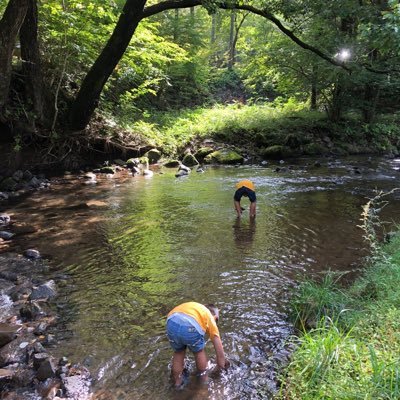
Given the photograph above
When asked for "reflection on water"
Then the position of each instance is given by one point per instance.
(243, 233)
(132, 248)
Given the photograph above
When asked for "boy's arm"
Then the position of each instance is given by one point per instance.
(237, 208)
(219, 351)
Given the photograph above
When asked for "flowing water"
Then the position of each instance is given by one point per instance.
(131, 248)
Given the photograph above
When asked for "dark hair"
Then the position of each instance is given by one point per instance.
(213, 309)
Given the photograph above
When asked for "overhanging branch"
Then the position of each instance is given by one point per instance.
(169, 5)
(174, 4)
(267, 15)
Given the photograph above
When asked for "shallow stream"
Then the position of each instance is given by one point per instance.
(131, 248)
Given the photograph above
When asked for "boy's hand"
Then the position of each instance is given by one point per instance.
(216, 372)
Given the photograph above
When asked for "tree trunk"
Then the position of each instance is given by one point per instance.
(335, 108)
(92, 86)
(231, 53)
(314, 91)
(313, 100)
(368, 109)
(234, 36)
(10, 25)
(213, 28)
(31, 59)
(176, 25)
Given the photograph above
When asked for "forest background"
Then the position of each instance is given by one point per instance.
(279, 78)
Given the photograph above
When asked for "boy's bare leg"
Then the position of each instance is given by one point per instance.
(201, 364)
(177, 367)
(253, 209)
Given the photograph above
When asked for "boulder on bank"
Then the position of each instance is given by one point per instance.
(8, 333)
(313, 149)
(153, 156)
(224, 156)
(277, 152)
(190, 160)
(32, 253)
(133, 162)
(8, 185)
(172, 163)
(77, 383)
(4, 219)
(107, 170)
(45, 291)
(5, 235)
(183, 170)
(203, 152)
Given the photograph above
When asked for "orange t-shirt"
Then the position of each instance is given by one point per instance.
(201, 314)
(246, 183)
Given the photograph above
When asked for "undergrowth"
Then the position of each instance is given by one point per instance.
(289, 124)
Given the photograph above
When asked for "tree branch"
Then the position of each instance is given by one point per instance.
(169, 5)
(267, 15)
(173, 4)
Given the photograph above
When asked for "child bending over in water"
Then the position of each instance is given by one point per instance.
(187, 325)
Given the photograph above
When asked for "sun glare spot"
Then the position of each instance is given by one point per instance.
(343, 55)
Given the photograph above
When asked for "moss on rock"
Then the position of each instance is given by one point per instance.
(225, 156)
(203, 152)
(277, 151)
(190, 160)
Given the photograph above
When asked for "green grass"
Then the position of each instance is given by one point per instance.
(261, 126)
(231, 124)
(354, 351)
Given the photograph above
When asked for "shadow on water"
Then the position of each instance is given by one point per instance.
(130, 249)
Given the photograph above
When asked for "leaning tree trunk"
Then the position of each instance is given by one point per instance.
(31, 59)
(10, 25)
(88, 96)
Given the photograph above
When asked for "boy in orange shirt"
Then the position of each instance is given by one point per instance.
(245, 188)
(187, 325)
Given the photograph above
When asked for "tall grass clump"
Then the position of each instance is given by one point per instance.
(315, 300)
(353, 350)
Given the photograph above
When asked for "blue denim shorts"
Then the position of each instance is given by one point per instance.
(244, 191)
(183, 333)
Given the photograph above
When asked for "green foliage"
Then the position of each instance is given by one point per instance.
(179, 59)
(142, 73)
(73, 32)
